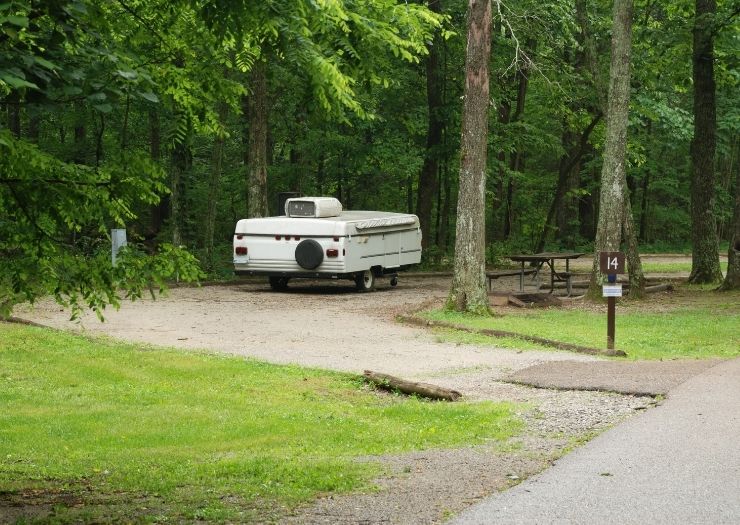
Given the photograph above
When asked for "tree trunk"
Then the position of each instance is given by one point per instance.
(124, 125)
(214, 180)
(612, 206)
(410, 194)
(468, 291)
(732, 279)
(99, 133)
(320, 174)
(428, 178)
(565, 179)
(80, 144)
(588, 206)
(182, 159)
(498, 204)
(705, 245)
(725, 172)
(34, 128)
(257, 163)
(444, 222)
(516, 158)
(444, 184)
(644, 207)
(567, 164)
(590, 53)
(160, 211)
(634, 264)
(14, 115)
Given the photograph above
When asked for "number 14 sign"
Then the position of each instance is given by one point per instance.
(611, 262)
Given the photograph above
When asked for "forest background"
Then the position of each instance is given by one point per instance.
(176, 119)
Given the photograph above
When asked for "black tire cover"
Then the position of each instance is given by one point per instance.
(309, 254)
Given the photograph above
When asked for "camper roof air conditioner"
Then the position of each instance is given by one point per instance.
(313, 207)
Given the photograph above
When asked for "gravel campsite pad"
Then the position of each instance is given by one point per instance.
(328, 325)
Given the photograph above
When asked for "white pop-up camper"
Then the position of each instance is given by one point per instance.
(316, 239)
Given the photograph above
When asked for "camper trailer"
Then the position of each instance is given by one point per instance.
(317, 239)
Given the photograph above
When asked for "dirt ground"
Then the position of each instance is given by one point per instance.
(328, 325)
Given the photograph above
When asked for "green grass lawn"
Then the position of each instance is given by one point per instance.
(104, 431)
(698, 331)
(650, 267)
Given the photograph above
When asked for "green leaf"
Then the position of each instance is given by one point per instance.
(20, 21)
(128, 75)
(16, 82)
(45, 63)
(97, 97)
(103, 108)
(71, 90)
(151, 97)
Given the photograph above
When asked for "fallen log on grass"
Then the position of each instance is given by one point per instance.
(501, 333)
(389, 382)
(665, 287)
(650, 286)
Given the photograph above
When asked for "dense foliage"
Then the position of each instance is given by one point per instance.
(136, 114)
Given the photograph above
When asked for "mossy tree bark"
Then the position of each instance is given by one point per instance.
(612, 195)
(468, 291)
(705, 244)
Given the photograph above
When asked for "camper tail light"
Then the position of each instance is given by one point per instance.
(332, 252)
(240, 250)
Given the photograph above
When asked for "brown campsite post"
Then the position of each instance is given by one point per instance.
(611, 303)
(611, 263)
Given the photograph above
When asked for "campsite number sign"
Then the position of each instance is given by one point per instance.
(611, 264)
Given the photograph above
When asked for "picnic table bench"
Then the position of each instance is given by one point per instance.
(493, 275)
(538, 260)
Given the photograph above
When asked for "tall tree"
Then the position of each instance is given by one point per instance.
(468, 291)
(568, 163)
(705, 245)
(257, 154)
(429, 172)
(612, 205)
(732, 279)
(217, 156)
(181, 163)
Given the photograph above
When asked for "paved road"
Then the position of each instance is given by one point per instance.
(677, 463)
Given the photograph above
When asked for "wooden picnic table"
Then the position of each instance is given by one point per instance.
(538, 260)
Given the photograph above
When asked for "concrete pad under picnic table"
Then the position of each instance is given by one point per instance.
(650, 378)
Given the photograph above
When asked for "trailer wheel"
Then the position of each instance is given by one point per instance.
(365, 281)
(279, 284)
(309, 254)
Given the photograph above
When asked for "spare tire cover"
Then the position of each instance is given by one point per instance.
(309, 254)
